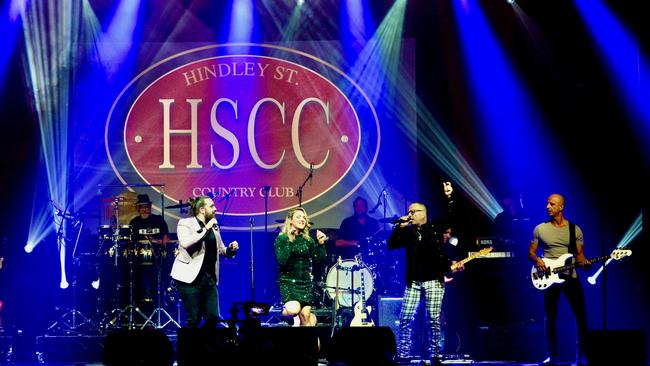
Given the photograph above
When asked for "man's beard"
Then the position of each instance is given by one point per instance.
(209, 216)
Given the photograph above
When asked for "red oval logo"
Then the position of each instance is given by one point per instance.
(255, 127)
(239, 123)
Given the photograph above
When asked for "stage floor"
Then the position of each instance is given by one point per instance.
(320, 363)
(89, 351)
(150, 346)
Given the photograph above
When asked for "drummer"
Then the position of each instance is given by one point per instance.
(148, 222)
(355, 230)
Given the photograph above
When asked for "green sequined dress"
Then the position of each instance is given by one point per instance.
(295, 259)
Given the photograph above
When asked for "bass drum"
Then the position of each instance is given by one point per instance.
(347, 277)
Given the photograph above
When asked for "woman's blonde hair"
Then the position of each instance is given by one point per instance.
(286, 228)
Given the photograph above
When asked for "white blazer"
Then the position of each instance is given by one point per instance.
(187, 266)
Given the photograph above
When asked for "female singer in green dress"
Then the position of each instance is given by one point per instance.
(295, 251)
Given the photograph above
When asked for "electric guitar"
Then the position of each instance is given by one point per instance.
(480, 253)
(361, 311)
(556, 268)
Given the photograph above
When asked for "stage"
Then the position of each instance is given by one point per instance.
(90, 350)
(117, 114)
(253, 343)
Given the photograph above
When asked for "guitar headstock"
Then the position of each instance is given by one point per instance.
(484, 251)
(620, 253)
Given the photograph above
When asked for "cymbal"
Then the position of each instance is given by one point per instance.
(180, 205)
(388, 219)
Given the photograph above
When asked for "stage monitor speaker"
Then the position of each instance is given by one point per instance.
(195, 345)
(138, 347)
(388, 314)
(287, 346)
(254, 345)
(360, 346)
(70, 348)
(616, 347)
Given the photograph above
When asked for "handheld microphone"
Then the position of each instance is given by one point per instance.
(399, 221)
(311, 173)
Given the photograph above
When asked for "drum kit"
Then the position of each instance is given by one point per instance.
(119, 282)
(346, 280)
(134, 271)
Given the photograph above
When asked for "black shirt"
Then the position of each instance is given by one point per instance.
(210, 258)
(151, 222)
(425, 257)
(351, 229)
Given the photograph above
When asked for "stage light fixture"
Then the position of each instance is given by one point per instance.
(29, 247)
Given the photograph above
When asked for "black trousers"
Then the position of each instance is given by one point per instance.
(200, 300)
(572, 289)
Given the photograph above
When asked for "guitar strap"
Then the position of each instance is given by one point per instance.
(572, 238)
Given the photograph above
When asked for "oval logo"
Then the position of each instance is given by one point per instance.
(268, 133)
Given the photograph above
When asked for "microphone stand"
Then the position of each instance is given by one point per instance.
(299, 193)
(250, 220)
(74, 325)
(253, 310)
(384, 194)
(266, 208)
(225, 206)
(383, 191)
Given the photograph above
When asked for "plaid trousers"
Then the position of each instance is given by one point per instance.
(434, 291)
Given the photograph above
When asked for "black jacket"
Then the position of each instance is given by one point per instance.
(425, 257)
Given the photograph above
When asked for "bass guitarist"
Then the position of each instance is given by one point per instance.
(556, 237)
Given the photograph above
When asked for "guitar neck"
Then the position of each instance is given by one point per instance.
(463, 261)
(363, 293)
(573, 265)
(469, 258)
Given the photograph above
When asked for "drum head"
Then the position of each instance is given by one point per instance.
(349, 277)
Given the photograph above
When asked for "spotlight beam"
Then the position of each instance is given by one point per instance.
(630, 235)
(50, 30)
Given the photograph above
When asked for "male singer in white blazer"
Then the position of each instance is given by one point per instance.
(196, 267)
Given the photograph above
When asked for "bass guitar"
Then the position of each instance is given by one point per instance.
(557, 269)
